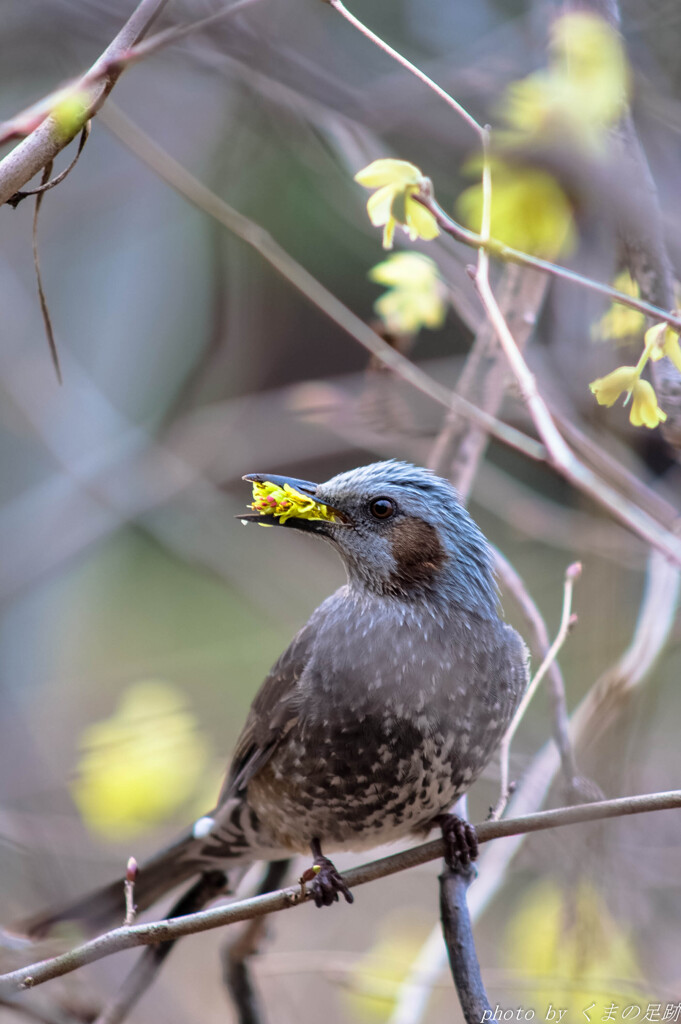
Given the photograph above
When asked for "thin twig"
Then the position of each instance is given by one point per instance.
(44, 308)
(166, 931)
(514, 584)
(129, 890)
(572, 574)
(203, 891)
(341, 9)
(58, 178)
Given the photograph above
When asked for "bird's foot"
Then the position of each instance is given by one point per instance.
(328, 882)
(461, 841)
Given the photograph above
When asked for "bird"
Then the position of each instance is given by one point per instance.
(384, 709)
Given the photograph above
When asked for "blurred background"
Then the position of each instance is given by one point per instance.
(139, 616)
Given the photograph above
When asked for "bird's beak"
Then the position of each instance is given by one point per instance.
(287, 501)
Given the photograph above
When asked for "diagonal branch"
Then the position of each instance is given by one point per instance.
(49, 138)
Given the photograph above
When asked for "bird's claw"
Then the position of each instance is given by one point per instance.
(328, 883)
(461, 841)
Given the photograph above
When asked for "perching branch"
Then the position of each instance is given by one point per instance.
(166, 931)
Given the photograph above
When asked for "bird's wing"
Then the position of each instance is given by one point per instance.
(273, 713)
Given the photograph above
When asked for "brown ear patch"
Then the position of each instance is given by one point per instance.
(417, 552)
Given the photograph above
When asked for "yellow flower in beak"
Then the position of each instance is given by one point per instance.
(286, 503)
(397, 182)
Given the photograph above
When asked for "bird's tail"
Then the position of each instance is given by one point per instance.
(105, 907)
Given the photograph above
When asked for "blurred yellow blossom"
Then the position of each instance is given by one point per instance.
(375, 980)
(620, 323)
(416, 295)
(571, 950)
(530, 211)
(581, 93)
(141, 764)
(645, 411)
(396, 182)
(661, 340)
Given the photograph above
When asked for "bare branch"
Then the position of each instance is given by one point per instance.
(513, 582)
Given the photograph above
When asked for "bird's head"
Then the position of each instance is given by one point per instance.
(399, 529)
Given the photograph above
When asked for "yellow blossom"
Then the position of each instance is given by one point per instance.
(566, 942)
(609, 388)
(645, 412)
(284, 502)
(396, 183)
(416, 295)
(530, 210)
(620, 323)
(662, 341)
(644, 408)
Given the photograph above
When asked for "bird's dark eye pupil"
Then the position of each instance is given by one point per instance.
(382, 508)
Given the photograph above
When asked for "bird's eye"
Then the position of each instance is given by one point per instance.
(382, 508)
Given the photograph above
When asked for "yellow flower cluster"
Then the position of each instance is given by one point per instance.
(582, 91)
(570, 103)
(397, 182)
(285, 502)
(660, 342)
